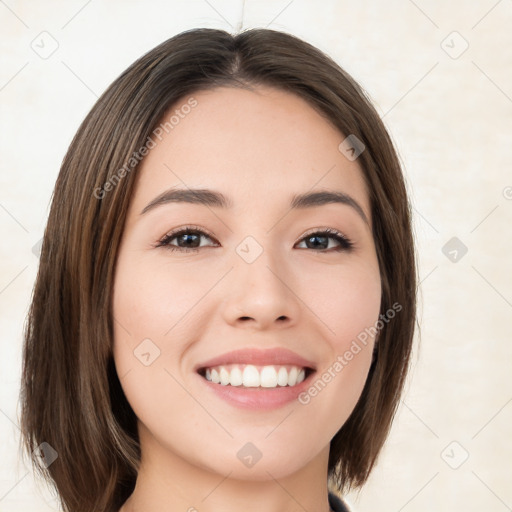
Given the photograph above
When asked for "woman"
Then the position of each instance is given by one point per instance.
(226, 299)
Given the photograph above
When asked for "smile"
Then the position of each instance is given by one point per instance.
(252, 376)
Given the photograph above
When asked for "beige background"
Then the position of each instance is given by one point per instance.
(448, 108)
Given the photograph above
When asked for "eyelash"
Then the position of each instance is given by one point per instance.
(345, 243)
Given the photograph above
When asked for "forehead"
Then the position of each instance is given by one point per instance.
(256, 146)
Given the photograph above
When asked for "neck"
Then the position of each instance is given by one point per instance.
(166, 482)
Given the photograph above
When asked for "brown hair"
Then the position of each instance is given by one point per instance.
(71, 396)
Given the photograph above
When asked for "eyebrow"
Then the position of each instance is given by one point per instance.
(212, 198)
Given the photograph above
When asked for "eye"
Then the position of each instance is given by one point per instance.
(321, 238)
(191, 236)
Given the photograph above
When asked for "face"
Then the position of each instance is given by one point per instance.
(258, 275)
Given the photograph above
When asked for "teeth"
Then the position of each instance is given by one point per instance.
(236, 378)
(292, 377)
(250, 376)
(282, 377)
(224, 376)
(268, 377)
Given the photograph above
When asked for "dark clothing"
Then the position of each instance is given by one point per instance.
(336, 504)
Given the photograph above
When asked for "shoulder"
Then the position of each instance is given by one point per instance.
(336, 504)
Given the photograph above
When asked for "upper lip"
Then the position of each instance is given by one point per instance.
(274, 356)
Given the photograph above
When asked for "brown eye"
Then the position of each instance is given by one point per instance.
(321, 239)
(188, 239)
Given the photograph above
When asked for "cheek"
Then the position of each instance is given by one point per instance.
(150, 306)
(345, 299)
(154, 300)
(349, 313)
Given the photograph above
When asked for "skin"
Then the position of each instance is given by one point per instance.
(258, 148)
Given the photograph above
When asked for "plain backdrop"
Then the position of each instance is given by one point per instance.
(440, 74)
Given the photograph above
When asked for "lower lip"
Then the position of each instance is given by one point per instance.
(258, 398)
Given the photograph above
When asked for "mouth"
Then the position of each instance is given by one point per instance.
(256, 376)
(257, 379)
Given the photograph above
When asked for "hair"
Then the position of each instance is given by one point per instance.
(71, 397)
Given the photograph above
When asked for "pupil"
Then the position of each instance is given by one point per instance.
(186, 236)
(316, 238)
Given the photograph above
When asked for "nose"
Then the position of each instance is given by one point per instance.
(261, 294)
